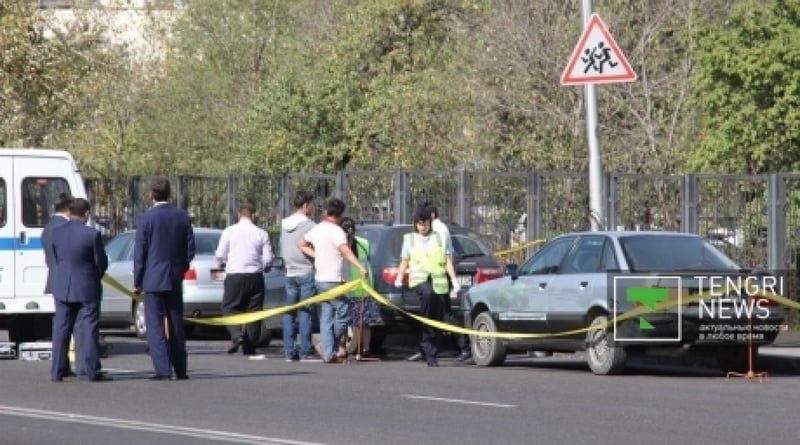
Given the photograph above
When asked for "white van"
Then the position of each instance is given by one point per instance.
(30, 181)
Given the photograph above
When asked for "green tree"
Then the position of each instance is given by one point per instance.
(221, 54)
(375, 91)
(748, 88)
(43, 71)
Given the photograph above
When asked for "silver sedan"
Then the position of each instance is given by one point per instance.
(202, 286)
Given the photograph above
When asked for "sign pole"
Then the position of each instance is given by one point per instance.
(596, 212)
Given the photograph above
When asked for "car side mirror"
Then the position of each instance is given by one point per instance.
(512, 270)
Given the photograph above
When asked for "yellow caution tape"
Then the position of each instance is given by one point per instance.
(350, 286)
(519, 248)
(249, 317)
(116, 285)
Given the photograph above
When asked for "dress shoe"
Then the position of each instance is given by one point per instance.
(70, 374)
(182, 377)
(158, 377)
(235, 344)
(101, 378)
(433, 363)
(416, 357)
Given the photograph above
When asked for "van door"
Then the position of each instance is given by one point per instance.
(7, 234)
(37, 183)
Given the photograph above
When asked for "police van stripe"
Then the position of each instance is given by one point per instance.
(14, 244)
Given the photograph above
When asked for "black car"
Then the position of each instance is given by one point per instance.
(473, 260)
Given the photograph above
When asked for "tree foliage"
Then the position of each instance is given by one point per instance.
(43, 75)
(257, 86)
(748, 88)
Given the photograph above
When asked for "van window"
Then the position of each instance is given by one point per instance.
(3, 204)
(38, 196)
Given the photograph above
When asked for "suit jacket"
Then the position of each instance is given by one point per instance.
(47, 245)
(163, 249)
(81, 262)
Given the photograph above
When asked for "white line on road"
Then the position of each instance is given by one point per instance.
(107, 422)
(463, 402)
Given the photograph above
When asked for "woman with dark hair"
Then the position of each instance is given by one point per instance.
(424, 256)
(366, 312)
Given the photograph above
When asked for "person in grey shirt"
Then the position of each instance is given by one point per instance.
(299, 278)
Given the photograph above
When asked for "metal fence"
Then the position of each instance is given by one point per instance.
(755, 219)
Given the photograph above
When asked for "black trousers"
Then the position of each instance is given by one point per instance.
(243, 292)
(431, 306)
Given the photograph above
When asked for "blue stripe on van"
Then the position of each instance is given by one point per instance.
(14, 244)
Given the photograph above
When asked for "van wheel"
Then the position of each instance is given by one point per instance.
(603, 357)
(487, 351)
(139, 323)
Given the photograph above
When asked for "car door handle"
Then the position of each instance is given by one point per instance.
(542, 285)
(584, 283)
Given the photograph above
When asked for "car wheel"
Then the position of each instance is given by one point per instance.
(487, 351)
(603, 357)
(139, 324)
(735, 359)
(264, 335)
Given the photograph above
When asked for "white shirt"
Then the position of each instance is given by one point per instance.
(441, 228)
(327, 237)
(244, 247)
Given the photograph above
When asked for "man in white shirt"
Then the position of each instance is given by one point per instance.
(245, 251)
(327, 244)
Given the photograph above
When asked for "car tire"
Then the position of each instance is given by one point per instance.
(735, 359)
(603, 358)
(139, 323)
(487, 351)
(264, 335)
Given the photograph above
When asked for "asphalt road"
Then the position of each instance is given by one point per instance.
(231, 399)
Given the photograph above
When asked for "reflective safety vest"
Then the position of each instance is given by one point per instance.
(423, 264)
(362, 253)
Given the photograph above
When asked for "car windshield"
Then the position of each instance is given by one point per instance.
(468, 245)
(673, 253)
(206, 243)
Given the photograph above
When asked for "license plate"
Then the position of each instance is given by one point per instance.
(218, 275)
(464, 280)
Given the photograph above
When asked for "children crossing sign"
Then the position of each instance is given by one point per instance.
(597, 58)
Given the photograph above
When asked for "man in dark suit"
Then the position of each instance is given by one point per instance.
(163, 249)
(80, 262)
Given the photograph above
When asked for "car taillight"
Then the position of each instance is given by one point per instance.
(389, 274)
(486, 274)
(190, 274)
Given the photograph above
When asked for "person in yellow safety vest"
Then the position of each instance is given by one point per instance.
(423, 256)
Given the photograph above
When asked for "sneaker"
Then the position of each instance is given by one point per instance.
(256, 357)
(310, 359)
(293, 358)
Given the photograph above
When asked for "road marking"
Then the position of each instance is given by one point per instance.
(463, 402)
(122, 371)
(198, 433)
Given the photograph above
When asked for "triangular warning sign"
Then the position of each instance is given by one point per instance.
(597, 58)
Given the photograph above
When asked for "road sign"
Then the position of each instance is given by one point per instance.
(597, 58)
